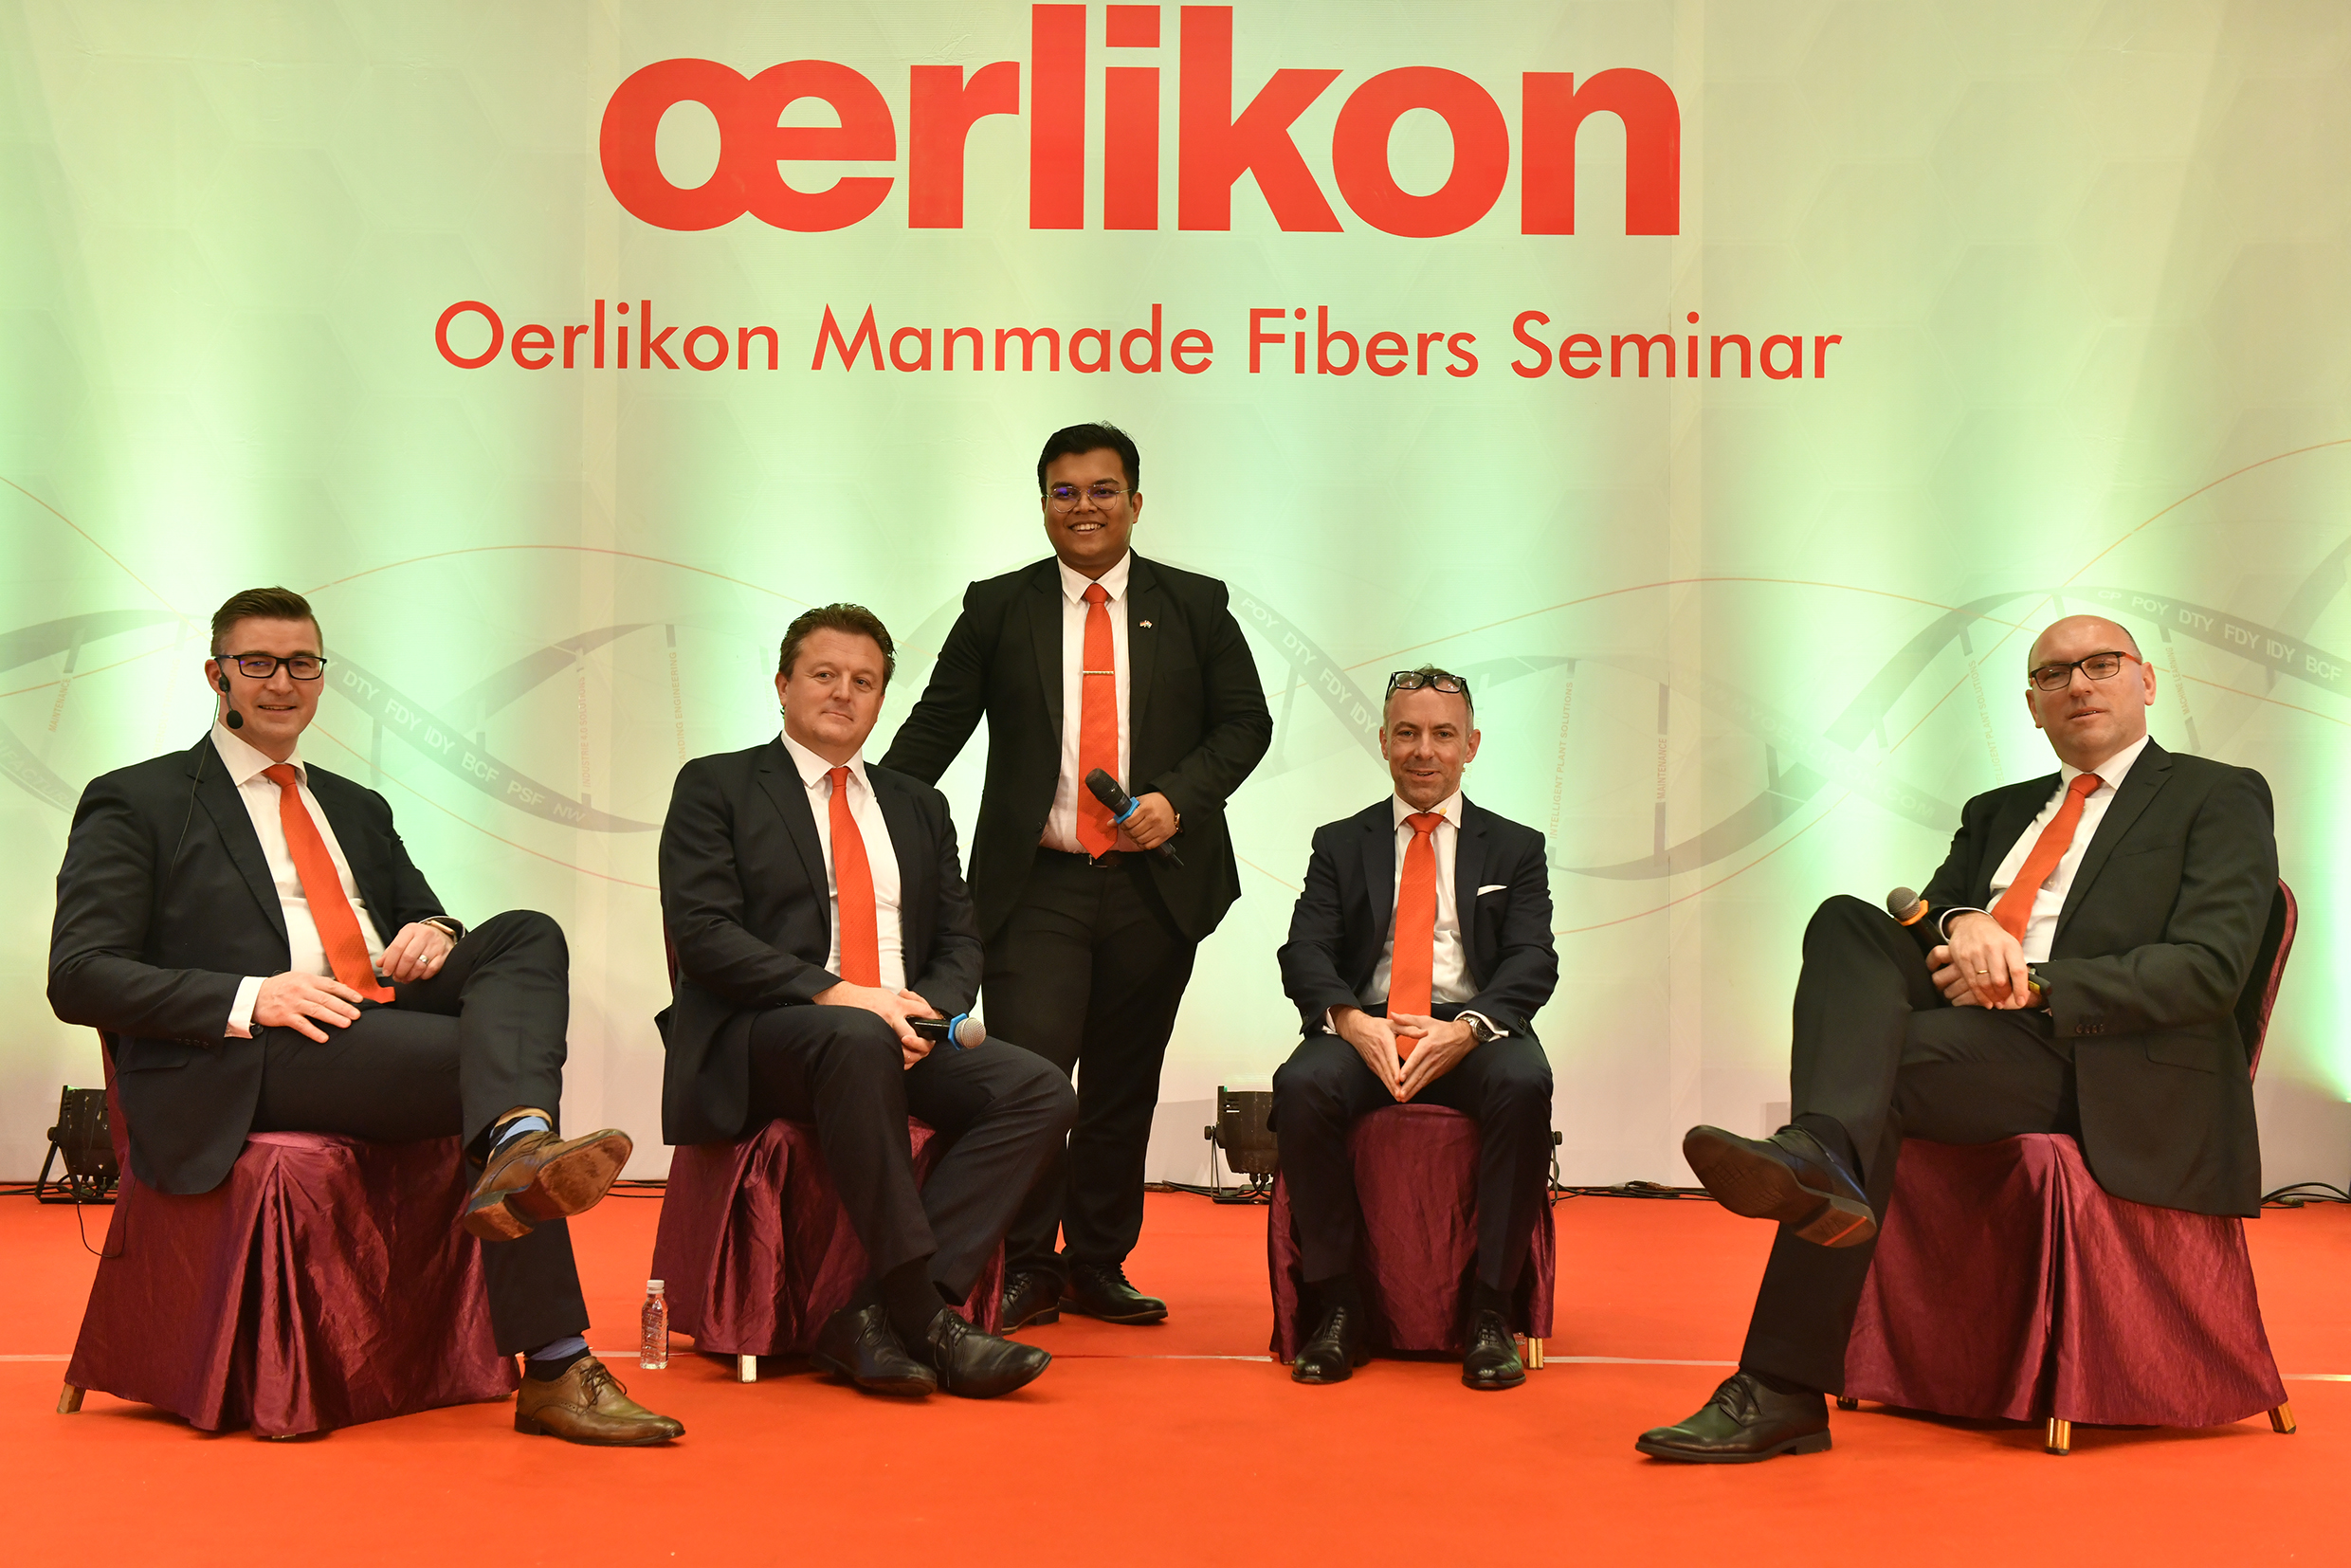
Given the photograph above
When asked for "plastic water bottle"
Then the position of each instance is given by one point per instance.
(655, 1354)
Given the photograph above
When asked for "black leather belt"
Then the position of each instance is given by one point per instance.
(1100, 863)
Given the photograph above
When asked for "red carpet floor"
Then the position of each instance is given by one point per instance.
(1148, 1446)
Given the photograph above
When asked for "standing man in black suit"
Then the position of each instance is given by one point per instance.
(1096, 659)
(220, 913)
(1420, 954)
(818, 911)
(2097, 927)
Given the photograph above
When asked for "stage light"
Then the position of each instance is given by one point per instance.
(1247, 1143)
(83, 1137)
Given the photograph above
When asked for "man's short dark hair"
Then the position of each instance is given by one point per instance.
(852, 618)
(1079, 439)
(260, 604)
(1431, 672)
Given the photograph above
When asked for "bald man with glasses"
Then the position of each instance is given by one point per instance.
(2078, 972)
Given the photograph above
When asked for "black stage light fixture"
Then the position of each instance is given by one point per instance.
(1247, 1143)
(85, 1140)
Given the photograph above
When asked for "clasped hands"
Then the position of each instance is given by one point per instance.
(892, 1006)
(1439, 1047)
(302, 1002)
(1981, 965)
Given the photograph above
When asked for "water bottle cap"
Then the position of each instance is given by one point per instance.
(652, 1285)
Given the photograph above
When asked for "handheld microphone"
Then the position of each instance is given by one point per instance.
(1909, 910)
(1105, 788)
(236, 720)
(962, 1031)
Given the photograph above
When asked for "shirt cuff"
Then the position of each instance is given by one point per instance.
(1330, 1025)
(241, 1011)
(1943, 921)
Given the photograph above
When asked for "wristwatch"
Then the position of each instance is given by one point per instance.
(1481, 1027)
(454, 930)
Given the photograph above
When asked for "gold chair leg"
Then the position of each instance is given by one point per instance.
(2060, 1436)
(1843, 1403)
(1531, 1353)
(69, 1401)
(2281, 1419)
(747, 1369)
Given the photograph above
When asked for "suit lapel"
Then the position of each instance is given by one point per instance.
(1469, 875)
(1379, 871)
(234, 824)
(1146, 610)
(2022, 804)
(1045, 607)
(2149, 775)
(897, 812)
(337, 798)
(781, 781)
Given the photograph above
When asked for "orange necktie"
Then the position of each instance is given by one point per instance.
(2014, 911)
(322, 888)
(1412, 965)
(1098, 723)
(852, 880)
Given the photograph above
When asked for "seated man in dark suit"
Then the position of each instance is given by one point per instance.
(221, 913)
(817, 909)
(2095, 928)
(1420, 954)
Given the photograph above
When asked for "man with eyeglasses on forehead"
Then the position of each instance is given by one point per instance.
(1095, 659)
(2095, 930)
(1418, 955)
(223, 914)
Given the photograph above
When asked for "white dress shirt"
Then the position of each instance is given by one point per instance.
(306, 953)
(1448, 969)
(881, 859)
(2041, 930)
(1061, 827)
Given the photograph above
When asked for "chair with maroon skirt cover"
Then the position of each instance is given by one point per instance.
(1415, 1176)
(2008, 1285)
(325, 1283)
(753, 1249)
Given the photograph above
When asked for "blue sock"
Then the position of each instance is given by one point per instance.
(516, 1128)
(553, 1359)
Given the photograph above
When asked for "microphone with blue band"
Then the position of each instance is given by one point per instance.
(962, 1031)
(1106, 790)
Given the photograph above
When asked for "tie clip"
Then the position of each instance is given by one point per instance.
(1097, 672)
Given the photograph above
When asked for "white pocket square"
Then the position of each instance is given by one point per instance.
(1492, 887)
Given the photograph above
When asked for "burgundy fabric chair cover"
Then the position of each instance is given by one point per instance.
(1416, 1176)
(325, 1283)
(755, 1251)
(2009, 1286)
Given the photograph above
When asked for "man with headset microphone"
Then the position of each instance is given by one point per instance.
(223, 912)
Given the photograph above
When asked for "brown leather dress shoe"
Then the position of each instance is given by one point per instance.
(538, 1177)
(588, 1405)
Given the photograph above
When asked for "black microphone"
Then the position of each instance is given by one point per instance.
(1909, 910)
(962, 1031)
(236, 720)
(1105, 788)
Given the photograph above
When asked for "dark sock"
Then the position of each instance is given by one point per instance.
(1833, 1137)
(911, 1301)
(546, 1368)
(1786, 1386)
(1339, 1290)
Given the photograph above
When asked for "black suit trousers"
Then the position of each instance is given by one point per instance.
(1325, 1086)
(1088, 970)
(1882, 1055)
(447, 1057)
(1004, 1111)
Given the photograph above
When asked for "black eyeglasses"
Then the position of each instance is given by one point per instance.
(260, 667)
(1064, 496)
(2098, 666)
(1417, 680)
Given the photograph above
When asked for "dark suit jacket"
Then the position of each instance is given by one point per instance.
(744, 904)
(2157, 939)
(156, 927)
(1198, 725)
(1341, 920)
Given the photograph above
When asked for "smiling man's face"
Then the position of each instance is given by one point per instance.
(1427, 740)
(278, 709)
(2088, 721)
(1089, 534)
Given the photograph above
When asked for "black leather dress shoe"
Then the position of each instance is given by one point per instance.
(857, 1343)
(1100, 1291)
(1788, 1178)
(1030, 1296)
(1743, 1423)
(977, 1365)
(1492, 1357)
(1335, 1348)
